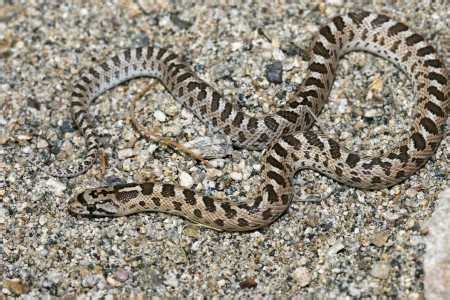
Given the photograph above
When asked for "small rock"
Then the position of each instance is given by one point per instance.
(277, 54)
(379, 239)
(221, 283)
(236, 46)
(186, 180)
(16, 286)
(196, 245)
(125, 153)
(182, 24)
(391, 216)
(249, 282)
(372, 113)
(27, 150)
(122, 275)
(302, 276)
(380, 270)
(274, 72)
(213, 173)
(160, 116)
(210, 147)
(437, 256)
(42, 220)
(24, 137)
(236, 176)
(54, 277)
(191, 231)
(42, 144)
(335, 2)
(3, 213)
(55, 186)
(3, 138)
(336, 248)
(171, 280)
(113, 282)
(91, 280)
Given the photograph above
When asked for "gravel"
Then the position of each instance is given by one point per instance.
(334, 241)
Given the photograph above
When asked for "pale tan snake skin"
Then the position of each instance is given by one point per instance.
(290, 145)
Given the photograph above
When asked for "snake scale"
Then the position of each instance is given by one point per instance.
(286, 136)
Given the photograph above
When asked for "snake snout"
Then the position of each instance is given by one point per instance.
(76, 208)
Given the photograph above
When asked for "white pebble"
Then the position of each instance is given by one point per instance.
(125, 153)
(236, 176)
(335, 2)
(213, 173)
(41, 144)
(171, 280)
(221, 283)
(277, 54)
(236, 46)
(186, 180)
(160, 116)
(380, 270)
(42, 220)
(335, 248)
(55, 186)
(27, 150)
(2, 215)
(121, 275)
(302, 276)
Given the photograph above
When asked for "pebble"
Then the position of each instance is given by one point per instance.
(125, 153)
(186, 180)
(122, 274)
(55, 186)
(191, 231)
(3, 217)
(42, 144)
(249, 282)
(160, 116)
(42, 220)
(437, 257)
(380, 270)
(27, 150)
(278, 55)
(302, 275)
(221, 283)
(391, 216)
(24, 137)
(171, 280)
(16, 286)
(113, 282)
(379, 239)
(4, 137)
(54, 277)
(182, 24)
(335, 2)
(236, 46)
(334, 249)
(274, 72)
(237, 176)
(373, 112)
(213, 173)
(91, 280)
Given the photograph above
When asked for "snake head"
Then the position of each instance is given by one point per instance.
(94, 203)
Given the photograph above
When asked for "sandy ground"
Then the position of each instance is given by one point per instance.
(334, 242)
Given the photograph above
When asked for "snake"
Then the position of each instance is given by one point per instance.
(286, 135)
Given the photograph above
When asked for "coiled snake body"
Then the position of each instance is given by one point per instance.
(290, 145)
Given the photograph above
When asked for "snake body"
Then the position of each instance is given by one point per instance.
(285, 134)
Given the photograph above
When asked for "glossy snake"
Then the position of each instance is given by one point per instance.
(290, 145)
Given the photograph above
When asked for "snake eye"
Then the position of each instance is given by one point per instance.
(91, 208)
